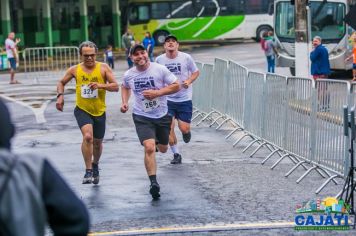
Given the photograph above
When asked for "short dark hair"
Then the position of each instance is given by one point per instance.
(88, 44)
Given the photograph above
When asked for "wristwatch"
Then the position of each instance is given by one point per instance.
(59, 94)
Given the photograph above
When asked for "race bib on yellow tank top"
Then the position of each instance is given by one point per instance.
(91, 101)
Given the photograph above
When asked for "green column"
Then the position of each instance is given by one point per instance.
(5, 17)
(47, 23)
(84, 19)
(116, 19)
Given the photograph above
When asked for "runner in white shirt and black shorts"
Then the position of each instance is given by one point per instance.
(149, 82)
(180, 104)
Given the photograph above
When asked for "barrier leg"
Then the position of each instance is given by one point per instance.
(294, 168)
(258, 148)
(222, 123)
(196, 116)
(325, 183)
(269, 156)
(250, 144)
(237, 141)
(204, 118)
(279, 160)
(215, 121)
(233, 131)
(305, 174)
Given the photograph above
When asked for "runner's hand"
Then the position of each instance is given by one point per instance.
(124, 108)
(150, 94)
(60, 103)
(186, 83)
(94, 85)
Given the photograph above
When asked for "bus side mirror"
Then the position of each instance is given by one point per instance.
(271, 9)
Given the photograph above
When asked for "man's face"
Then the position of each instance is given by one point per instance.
(171, 45)
(316, 42)
(88, 56)
(140, 57)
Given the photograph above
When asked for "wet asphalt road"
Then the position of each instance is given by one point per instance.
(217, 190)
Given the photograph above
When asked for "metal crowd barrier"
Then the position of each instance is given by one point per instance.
(296, 118)
(49, 62)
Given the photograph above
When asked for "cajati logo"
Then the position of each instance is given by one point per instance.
(327, 214)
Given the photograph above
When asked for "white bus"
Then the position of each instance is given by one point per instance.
(200, 20)
(327, 21)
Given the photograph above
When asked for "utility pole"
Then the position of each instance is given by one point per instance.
(302, 40)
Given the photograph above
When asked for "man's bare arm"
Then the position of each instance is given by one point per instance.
(191, 79)
(151, 94)
(60, 87)
(125, 96)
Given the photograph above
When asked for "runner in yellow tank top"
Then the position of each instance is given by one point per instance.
(93, 79)
(86, 99)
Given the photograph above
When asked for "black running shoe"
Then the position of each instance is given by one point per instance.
(177, 159)
(87, 179)
(187, 137)
(154, 191)
(95, 173)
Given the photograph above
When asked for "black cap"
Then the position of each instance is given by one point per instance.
(171, 36)
(135, 47)
(6, 126)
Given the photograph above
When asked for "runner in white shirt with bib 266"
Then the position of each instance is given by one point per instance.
(150, 82)
(180, 104)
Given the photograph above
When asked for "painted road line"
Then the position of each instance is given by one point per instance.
(205, 228)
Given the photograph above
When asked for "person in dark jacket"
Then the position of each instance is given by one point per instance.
(33, 194)
(319, 56)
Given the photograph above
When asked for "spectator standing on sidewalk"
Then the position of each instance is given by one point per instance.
(109, 57)
(319, 57)
(270, 52)
(127, 41)
(149, 44)
(33, 194)
(353, 55)
(12, 55)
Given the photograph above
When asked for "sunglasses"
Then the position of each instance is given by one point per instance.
(89, 55)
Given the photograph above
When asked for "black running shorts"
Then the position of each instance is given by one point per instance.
(98, 122)
(150, 128)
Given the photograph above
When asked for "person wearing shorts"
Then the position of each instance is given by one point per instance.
(93, 79)
(11, 53)
(150, 83)
(180, 105)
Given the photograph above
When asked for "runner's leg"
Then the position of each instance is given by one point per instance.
(87, 145)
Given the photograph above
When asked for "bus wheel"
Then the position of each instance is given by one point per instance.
(292, 70)
(260, 30)
(160, 36)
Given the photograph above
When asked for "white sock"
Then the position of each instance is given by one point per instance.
(174, 149)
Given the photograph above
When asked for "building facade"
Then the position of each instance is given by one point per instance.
(46, 23)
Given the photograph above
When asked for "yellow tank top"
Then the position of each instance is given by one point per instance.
(94, 105)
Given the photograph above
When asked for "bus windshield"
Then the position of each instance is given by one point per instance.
(327, 21)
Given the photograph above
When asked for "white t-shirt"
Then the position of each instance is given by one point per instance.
(154, 77)
(182, 66)
(10, 44)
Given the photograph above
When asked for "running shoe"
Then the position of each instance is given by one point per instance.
(87, 179)
(95, 173)
(187, 137)
(177, 159)
(154, 191)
